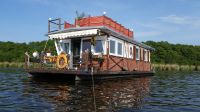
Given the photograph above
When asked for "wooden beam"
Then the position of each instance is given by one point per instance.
(116, 63)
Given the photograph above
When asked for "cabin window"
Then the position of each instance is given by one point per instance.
(137, 53)
(130, 51)
(112, 46)
(149, 56)
(66, 46)
(119, 47)
(86, 45)
(99, 46)
(141, 55)
(126, 50)
(145, 55)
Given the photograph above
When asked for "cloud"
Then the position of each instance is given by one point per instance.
(174, 19)
(181, 20)
(148, 33)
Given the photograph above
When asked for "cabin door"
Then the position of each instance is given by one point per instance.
(76, 43)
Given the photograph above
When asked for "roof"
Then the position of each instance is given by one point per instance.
(94, 29)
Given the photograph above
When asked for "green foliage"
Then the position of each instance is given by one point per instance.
(166, 53)
(14, 52)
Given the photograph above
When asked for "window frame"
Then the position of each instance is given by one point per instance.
(103, 45)
(112, 53)
(116, 46)
(129, 55)
(137, 57)
(145, 55)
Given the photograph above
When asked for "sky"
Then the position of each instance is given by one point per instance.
(175, 21)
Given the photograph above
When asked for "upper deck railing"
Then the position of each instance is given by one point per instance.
(100, 21)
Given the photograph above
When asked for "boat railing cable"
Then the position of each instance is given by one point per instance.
(93, 89)
(45, 45)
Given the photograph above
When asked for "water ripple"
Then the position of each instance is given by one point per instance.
(166, 92)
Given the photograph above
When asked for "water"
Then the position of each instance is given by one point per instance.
(163, 92)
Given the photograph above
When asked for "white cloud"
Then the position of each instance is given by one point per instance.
(175, 19)
(148, 34)
(181, 20)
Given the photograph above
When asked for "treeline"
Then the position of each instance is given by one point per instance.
(14, 52)
(166, 53)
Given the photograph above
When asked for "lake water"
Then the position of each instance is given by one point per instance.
(167, 92)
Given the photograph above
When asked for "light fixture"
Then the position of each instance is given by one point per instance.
(49, 19)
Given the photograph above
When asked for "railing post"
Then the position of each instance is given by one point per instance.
(49, 26)
(59, 20)
(27, 60)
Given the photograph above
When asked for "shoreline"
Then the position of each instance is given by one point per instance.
(156, 67)
(175, 67)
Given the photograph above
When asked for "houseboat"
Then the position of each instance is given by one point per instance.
(94, 46)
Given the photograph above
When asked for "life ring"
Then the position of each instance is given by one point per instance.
(62, 61)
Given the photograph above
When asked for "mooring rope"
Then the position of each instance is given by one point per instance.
(45, 45)
(93, 90)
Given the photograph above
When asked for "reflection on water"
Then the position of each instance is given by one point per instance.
(22, 93)
(168, 92)
(111, 95)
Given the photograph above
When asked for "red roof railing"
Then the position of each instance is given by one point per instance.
(101, 21)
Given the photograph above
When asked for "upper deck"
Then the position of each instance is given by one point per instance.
(101, 21)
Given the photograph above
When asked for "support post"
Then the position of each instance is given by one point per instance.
(107, 53)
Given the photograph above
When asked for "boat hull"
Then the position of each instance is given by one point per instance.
(85, 75)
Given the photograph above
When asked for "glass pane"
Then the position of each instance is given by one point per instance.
(66, 45)
(137, 53)
(86, 45)
(99, 46)
(131, 52)
(119, 49)
(112, 46)
(145, 55)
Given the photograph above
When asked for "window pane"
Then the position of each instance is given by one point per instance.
(86, 45)
(119, 49)
(66, 45)
(137, 53)
(131, 52)
(99, 46)
(112, 46)
(145, 55)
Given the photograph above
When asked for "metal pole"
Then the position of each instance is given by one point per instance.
(59, 20)
(49, 26)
